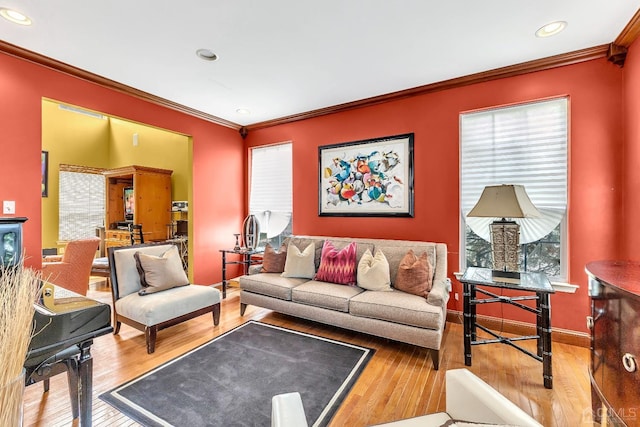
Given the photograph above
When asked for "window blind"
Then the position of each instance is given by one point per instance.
(270, 197)
(524, 144)
(82, 204)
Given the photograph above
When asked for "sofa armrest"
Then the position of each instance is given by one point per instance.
(287, 411)
(439, 293)
(469, 398)
(254, 269)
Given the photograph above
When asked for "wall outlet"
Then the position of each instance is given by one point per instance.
(455, 296)
(9, 207)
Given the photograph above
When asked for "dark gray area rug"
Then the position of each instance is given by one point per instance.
(230, 380)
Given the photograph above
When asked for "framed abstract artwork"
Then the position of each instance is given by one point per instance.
(44, 169)
(373, 177)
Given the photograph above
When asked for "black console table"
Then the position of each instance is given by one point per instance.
(245, 260)
(475, 279)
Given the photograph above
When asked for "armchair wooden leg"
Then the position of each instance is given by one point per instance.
(216, 314)
(150, 333)
(243, 308)
(116, 329)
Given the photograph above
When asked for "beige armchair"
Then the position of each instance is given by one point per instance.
(73, 271)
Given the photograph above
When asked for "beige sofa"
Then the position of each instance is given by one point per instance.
(396, 315)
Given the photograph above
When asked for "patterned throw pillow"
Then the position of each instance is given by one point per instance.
(373, 272)
(158, 273)
(415, 275)
(337, 266)
(300, 264)
(272, 261)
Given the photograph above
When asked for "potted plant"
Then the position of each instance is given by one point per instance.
(19, 287)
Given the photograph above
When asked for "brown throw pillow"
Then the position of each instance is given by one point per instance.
(158, 273)
(415, 275)
(272, 260)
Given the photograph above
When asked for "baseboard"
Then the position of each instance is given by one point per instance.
(563, 336)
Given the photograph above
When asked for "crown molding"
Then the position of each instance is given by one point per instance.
(630, 33)
(498, 73)
(62, 67)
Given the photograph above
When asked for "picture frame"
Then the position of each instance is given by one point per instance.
(372, 177)
(44, 168)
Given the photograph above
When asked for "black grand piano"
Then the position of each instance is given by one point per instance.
(65, 325)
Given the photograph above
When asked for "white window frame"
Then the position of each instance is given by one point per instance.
(563, 221)
(279, 175)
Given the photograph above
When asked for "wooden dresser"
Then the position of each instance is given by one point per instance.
(614, 288)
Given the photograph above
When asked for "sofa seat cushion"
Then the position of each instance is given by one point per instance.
(271, 284)
(398, 307)
(159, 307)
(325, 295)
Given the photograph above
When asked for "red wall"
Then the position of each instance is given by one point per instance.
(595, 178)
(218, 156)
(631, 154)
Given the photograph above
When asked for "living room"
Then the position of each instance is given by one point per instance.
(602, 191)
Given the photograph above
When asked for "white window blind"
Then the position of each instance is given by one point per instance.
(82, 204)
(524, 144)
(270, 197)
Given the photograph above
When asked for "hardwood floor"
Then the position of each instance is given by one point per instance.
(399, 381)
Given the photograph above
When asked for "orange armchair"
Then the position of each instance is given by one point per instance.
(73, 271)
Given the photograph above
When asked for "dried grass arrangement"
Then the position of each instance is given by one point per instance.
(19, 288)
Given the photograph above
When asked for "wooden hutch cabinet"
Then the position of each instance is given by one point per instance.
(151, 203)
(614, 288)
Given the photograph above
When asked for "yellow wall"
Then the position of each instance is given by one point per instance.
(70, 138)
(157, 148)
(78, 139)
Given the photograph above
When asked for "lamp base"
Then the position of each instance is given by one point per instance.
(505, 240)
(498, 274)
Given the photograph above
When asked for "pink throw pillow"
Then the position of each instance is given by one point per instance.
(338, 266)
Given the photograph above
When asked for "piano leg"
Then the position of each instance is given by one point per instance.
(72, 380)
(85, 371)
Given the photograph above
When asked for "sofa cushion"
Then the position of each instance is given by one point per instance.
(395, 250)
(325, 295)
(160, 307)
(271, 284)
(273, 261)
(299, 264)
(160, 272)
(415, 274)
(373, 272)
(337, 266)
(397, 306)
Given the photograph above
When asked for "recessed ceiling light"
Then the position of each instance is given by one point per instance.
(551, 29)
(15, 16)
(206, 54)
(243, 111)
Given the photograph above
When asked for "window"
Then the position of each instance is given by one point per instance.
(82, 201)
(524, 144)
(270, 197)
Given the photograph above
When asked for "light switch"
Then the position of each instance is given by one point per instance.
(9, 207)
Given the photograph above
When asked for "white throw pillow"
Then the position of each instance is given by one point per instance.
(300, 264)
(373, 272)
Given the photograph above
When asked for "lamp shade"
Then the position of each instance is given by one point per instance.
(504, 201)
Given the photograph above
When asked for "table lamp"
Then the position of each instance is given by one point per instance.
(504, 201)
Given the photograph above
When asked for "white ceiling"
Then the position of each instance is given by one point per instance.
(283, 57)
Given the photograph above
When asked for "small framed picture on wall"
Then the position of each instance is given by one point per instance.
(44, 168)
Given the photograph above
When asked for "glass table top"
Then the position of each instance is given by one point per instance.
(534, 282)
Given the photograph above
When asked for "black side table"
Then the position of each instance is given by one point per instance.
(245, 259)
(475, 279)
